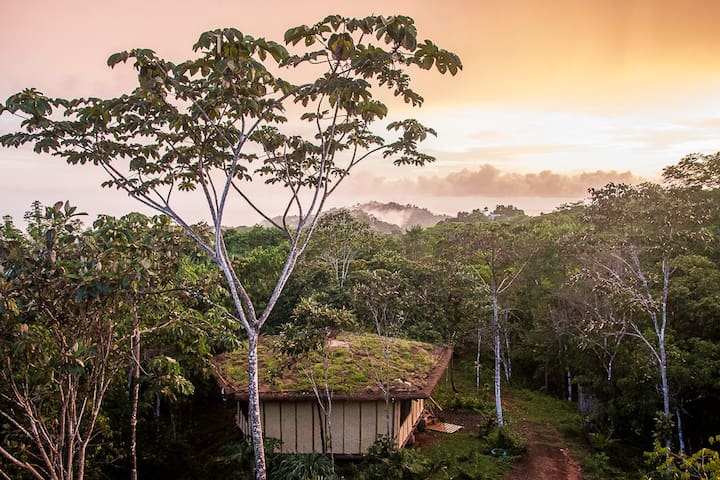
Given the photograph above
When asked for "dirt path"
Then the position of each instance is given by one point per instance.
(547, 456)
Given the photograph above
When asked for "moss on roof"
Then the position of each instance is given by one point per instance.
(356, 368)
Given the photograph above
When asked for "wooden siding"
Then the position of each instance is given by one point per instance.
(241, 420)
(305, 421)
(368, 424)
(407, 428)
(271, 415)
(299, 425)
(353, 427)
(288, 426)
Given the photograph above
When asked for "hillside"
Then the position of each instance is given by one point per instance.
(404, 216)
(386, 217)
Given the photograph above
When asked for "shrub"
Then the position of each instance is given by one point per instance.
(301, 467)
(385, 461)
(702, 465)
(506, 439)
(462, 402)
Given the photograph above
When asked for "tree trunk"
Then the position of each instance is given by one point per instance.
(681, 441)
(386, 390)
(663, 352)
(506, 357)
(569, 386)
(568, 374)
(664, 385)
(135, 392)
(496, 341)
(329, 428)
(254, 408)
(477, 361)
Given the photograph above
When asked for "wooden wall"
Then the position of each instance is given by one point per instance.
(355, 425)
(405, 431)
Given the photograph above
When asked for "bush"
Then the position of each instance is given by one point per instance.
(505, 439)
(387, 462)
(301, 467)
(463, 402)
(702, 465)
(596, 466)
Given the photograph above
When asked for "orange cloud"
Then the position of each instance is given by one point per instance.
(489, 181)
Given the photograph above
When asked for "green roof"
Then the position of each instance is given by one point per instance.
(356, 368)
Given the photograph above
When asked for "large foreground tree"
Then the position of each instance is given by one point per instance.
(214, 123)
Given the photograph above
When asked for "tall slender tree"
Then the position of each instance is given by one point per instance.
(213, 123)
(640, 231)
(493, 257)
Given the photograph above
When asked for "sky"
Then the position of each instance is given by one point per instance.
(555, 96)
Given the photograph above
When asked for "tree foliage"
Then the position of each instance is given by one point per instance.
(59, 345)
(213, 123)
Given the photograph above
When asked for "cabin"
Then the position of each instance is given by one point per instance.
(376, 386)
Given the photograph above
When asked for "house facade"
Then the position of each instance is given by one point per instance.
(357, 413)
(354, 425)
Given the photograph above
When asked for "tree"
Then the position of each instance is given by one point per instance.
(491, 253)
(59, 347)
(695, 170)
(314, 324)
(507, 213)
(339, 238)
(641, 230)
(382, 299)
(702, 465)
(213, 123)
(147, 258)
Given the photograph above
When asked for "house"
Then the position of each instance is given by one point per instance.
(377, 385)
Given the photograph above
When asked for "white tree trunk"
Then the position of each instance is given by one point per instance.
(661, 345)
(498, 378)
(681, 440)
(256, 428)
(569, 386)
(664, 384)
(568, 374)
(506, 357)
(135, 392)
(477, 360)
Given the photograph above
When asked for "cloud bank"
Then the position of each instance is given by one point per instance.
(489, 181)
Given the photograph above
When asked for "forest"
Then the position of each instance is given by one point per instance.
(111, 328)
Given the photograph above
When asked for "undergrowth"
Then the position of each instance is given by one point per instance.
(596, 453)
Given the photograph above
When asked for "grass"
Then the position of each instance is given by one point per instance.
(540, 410)
(464, 456)
(547, 413)
(467, 455)
(356, 368)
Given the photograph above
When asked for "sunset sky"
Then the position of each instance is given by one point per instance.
(556, 95)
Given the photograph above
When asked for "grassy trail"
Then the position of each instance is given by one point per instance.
(549, 454)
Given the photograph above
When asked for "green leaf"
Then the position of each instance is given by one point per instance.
(409, 41)
(341, 46)
(116, 58)
(137, 163)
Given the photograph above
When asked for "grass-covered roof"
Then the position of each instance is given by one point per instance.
(356, 368)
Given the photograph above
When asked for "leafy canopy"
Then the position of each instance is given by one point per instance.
(229, 114)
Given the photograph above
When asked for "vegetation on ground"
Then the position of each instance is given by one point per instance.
(351, 361)
(111, 326)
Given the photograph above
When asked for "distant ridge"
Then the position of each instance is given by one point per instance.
(386, 217)
(404, 216)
